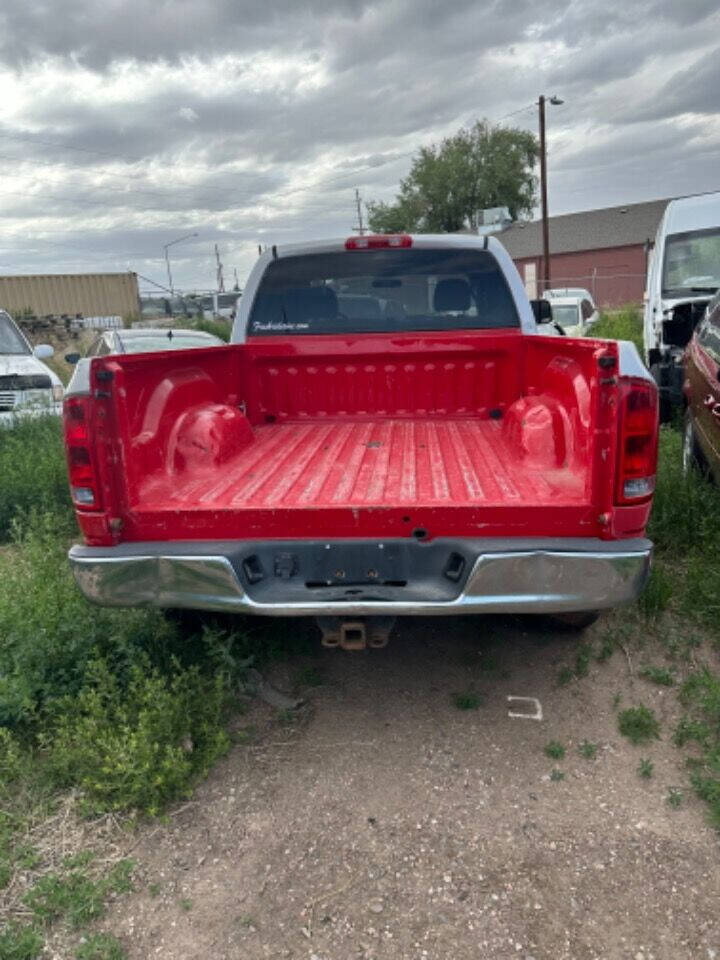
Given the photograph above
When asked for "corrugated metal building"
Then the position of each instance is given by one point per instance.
(88, 294)
(603, 250)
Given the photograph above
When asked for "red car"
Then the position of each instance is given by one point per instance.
(701, 443)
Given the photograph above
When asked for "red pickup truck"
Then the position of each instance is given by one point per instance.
(388, 434)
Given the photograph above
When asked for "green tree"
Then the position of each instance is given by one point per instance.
(451, 183)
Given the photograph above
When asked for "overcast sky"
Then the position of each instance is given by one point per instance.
(126, 124)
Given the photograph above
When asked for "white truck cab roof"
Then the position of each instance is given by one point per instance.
(424, 241)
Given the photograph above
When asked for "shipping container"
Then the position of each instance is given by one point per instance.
(100, 295)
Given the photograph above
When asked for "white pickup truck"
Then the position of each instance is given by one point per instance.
(27, 386)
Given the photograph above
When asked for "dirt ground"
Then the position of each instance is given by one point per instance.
(387, 823)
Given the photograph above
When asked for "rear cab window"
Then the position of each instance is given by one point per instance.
(382, 291)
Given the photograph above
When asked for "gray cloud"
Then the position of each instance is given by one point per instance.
(250, 121)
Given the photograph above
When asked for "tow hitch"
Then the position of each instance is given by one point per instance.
(355, 634)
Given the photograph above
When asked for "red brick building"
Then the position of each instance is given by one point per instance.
(604, 251)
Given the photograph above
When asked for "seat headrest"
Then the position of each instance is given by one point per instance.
(451, 295)
(311, 303)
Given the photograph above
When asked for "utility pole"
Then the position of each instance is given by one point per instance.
(360, 228)
(220, 279)
(543, 200)
(166, 247)
(555, 101)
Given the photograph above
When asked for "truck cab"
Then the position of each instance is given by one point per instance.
(683, 277)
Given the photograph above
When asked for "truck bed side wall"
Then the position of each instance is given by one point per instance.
(167, 419)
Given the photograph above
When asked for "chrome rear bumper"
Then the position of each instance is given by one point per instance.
(503, 576)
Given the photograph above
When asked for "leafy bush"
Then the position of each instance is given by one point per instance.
(142, 745)
(624, 324)
(33, 472)
(639, 725)
(49, 631)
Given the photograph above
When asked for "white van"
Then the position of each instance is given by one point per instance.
(684, 275)
(27, 386)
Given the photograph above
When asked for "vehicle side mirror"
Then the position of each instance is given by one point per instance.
(43, 351)
(72, 358)
(542, 310)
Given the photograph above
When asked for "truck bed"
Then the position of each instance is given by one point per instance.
(371, 463)
(474, 434)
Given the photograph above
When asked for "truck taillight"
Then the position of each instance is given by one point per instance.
(83, 481)
(638, 440)
(379, 241)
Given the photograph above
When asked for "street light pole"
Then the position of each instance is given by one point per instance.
(555, 101)
(166, 246)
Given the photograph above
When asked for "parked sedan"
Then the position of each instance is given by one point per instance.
(701, 443)
(147, 340)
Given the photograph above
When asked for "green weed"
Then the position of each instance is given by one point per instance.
(674, 798)
(100, 946)
(467, 701)
(21, 942)
(557, 775)
(700, 696)
(639, 725)
(588, 750)
(565, 676)
(607, 648)
(73, 896)
(309, 677)
(582, 660)
(186, 905)
(489, 662)
(659, 675)
(554, 749)
(655, 598)
(645, 768)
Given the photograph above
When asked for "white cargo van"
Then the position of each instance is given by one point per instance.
(684, 275)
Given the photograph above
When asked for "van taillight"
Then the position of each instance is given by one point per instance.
(83, 482)
(379, 241)
(638, 440)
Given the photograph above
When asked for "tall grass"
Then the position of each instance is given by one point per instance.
(623, 324)
(219, 328)
(685, 527)
(32, 471)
